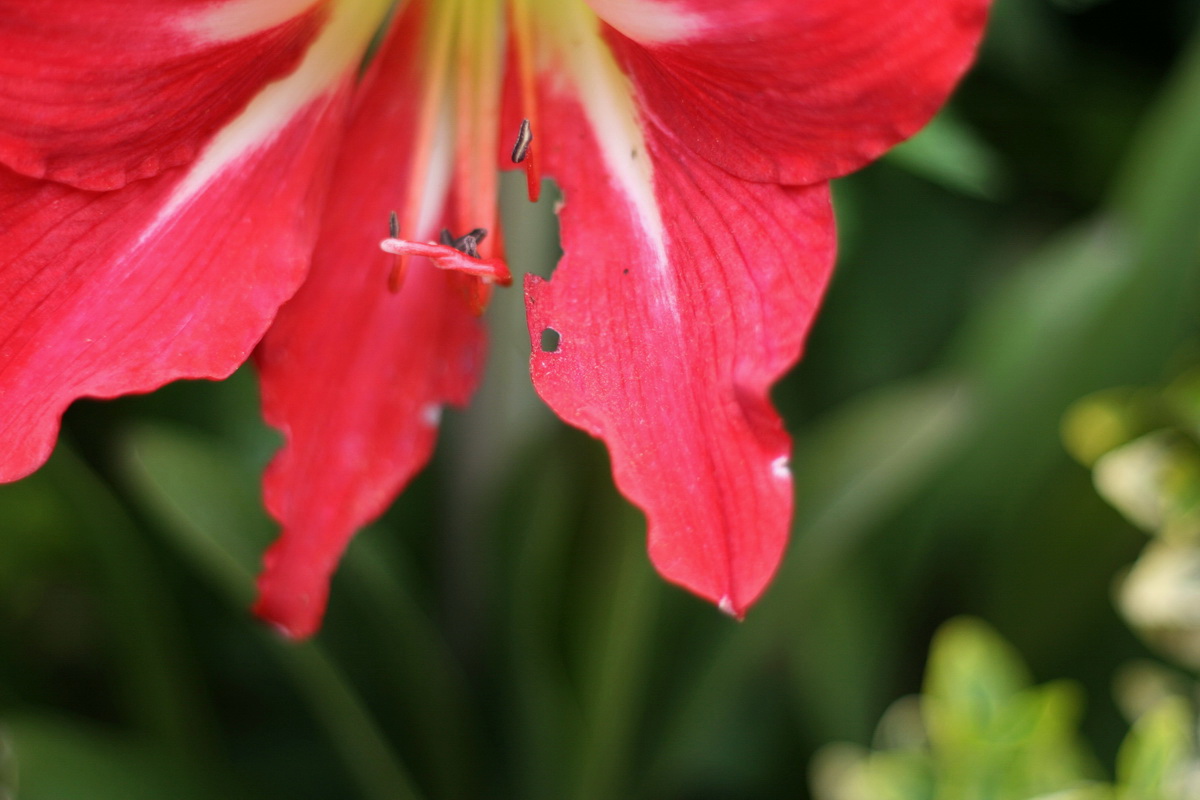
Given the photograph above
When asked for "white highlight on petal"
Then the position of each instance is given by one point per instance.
(726, 605)
(337, 49)
(607, 99)
(651, 21)
(438, 174)
(781, 469)
(431, 415)
(240, 18)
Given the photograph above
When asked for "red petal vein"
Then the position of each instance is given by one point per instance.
(671, 364)
(354, 375)
(797, 91)
(103, 295)
(99, 93)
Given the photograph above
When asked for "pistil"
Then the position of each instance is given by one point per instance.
(521, 41)
(449, 257)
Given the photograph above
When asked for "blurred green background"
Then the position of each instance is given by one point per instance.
(500, 633)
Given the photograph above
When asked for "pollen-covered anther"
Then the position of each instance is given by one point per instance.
(522, 153)
(400, 263)
(450, 257)
(524, 140)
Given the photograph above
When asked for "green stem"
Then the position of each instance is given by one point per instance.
(159, 680)
(351, 728)
(620, 657)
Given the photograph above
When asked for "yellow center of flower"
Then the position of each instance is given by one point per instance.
(467, 46)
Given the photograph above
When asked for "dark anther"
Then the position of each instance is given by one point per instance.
(524, 139)
(467, 244)
(394, 225)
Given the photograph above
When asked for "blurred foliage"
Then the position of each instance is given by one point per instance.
(499, 632)
(1143, 446)
(980, 731)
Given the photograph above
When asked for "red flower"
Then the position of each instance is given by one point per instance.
(173, 172)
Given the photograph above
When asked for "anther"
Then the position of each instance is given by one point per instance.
(455, 254)
(523, 154)
(467, 244)
(399, 262)
(524, 139)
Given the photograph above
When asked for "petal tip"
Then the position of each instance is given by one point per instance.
(292, 594)
(725, 604)
(289, 617)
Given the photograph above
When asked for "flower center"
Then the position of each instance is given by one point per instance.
(468, 46)
(457, 132)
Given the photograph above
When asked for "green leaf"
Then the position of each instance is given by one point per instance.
(210, 510)
(60, 759)
(971, 683)
(949, 153)
(855, 467)
(991, 733)
(1152, 762)
(208, 514)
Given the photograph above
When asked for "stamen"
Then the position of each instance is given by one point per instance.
(465, 52)
(524, 140)
(521, 32)
(478, 60)
(523, 151)
(456, 255)
(441, 23)
(399, 263)
(468, 243)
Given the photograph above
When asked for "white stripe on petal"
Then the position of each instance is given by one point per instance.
(338, 48)
(607, 99)
(240, 18)
(437, 176)
(648, 22)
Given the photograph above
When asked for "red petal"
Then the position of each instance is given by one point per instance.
(793, 91)
(118, 292)
(671, 362)
(354, 375)
(99, 93)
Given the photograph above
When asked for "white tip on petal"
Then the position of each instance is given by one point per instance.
(431, 415)
(335, 52)
(223, 22)
(726, 606)
(781, 469)
(650, 22)
(606, 96)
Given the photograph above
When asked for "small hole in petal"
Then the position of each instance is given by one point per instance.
(550, 339)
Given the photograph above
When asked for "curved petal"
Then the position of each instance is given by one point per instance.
(792, 91)
(107, 293)
(99, 93)
(683, 295)
(354, 375)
